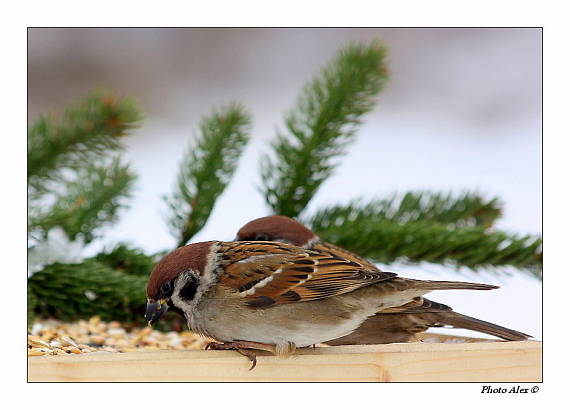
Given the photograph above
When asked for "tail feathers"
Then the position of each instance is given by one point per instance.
(442, 285)
(385, 327)
(466, 322)
(419, 305)
(431, 306)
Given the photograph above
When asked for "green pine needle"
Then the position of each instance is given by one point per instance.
(88, 130)
(468, 209)
(79, 291)
(207, 169)
(127, 259)
(326, 117)
(385, 240)
(90, 201)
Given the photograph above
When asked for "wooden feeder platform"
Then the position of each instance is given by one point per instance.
(439, 359)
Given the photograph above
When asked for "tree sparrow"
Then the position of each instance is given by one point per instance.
(275, 296)
(396, 324)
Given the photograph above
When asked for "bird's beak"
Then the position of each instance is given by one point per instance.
(155, 309)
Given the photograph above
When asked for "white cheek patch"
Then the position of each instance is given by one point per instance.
(206, 280)
(208, 276)
(180, 302)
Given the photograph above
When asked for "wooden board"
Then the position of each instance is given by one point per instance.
(400, 362)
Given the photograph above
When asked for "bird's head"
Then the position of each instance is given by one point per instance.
(277, 228)
(175, 280)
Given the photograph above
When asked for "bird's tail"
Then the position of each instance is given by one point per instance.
(430, 285)
(467, 322)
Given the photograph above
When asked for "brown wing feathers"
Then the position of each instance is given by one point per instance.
(268, 273)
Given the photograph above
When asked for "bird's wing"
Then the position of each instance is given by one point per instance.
(269, 273)
(327, 247)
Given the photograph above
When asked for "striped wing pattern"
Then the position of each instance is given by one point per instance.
(343, 253)
(268, 273)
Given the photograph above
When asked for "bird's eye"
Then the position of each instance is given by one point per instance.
(262, 237)
(166, 288)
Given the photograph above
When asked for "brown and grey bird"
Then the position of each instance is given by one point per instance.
(274, 296)
(395, 324)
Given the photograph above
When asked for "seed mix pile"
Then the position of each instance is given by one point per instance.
(52, 337)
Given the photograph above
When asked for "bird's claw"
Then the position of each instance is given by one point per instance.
(249, 353)
(214, 346)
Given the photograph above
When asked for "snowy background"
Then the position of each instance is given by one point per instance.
(462, 110)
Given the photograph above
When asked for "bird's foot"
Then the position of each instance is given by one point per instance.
(251, 355)
(219, 346)
(248, 349)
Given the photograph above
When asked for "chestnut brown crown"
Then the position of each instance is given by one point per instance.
(276, 228)
(190, 257)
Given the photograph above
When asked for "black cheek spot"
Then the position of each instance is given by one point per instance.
(188, 291)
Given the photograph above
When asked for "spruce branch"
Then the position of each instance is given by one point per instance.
(326, 116)
(87, 130)
(467, 209)
(207, 169)
(90, 201)
(127, 259)
(79, 291)
(386, 240)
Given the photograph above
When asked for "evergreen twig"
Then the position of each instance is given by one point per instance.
(127, 259)
(88, 130)
(386, 240)
(90, 201)
(207, 169)
(79, 291)
(327, 115)
(468, 209)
